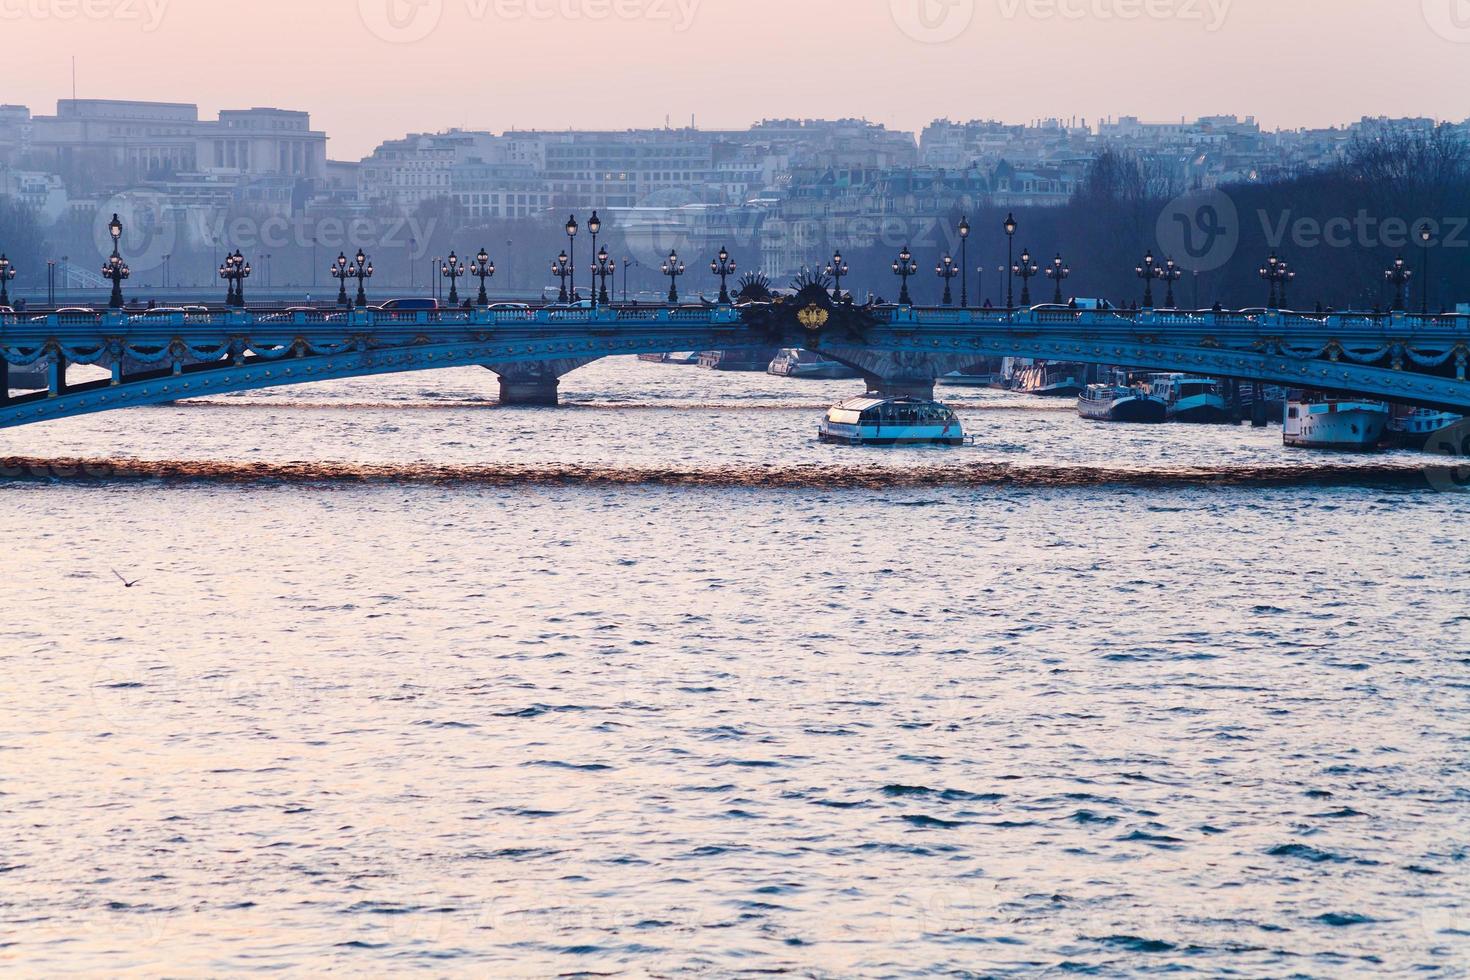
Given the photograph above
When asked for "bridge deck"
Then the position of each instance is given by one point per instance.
(1411, 359)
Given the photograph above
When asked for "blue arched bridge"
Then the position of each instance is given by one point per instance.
(164, 357)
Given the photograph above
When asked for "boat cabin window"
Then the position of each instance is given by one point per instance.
(1293, 412)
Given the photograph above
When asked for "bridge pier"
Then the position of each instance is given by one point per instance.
(1259, 418)
(536, 385)
(56, 376)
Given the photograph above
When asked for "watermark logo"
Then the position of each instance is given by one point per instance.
(933, 21)
(1200, 230)
(148, 14)
(401, 21)
(1450, 19)
(149, 231)
(1452, 441)
(1210, 14)
(1363, 231)
(409, 21)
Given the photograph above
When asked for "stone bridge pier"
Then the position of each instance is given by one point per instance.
(900, 374)
(535, 384)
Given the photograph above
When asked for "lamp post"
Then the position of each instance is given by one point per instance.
(1398, 276)
(454, 271)
(594, 225)
(362, 271)
(673, 268)
(572, 256)
(339, 273)
(561, 267)
(1010, 227)
(7, 273)
(1026, 269)
(115, 269)
(235, 270)
(965, 263)
(947, 270)
(1172, 274)
(1148, 272)
(1058, 272)
(627, 264)
(903, 267)
(1278, 273)
(837, 269)
(1424, 237)
(604, 266)
(482, 268)
(724, 267)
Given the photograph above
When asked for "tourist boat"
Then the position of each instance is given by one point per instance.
(793, 362)
(981, 374)
(959, 379)
(736, 360)
(1121, 403)
(684, 358)
(877, 421)
(1413, 428)
(1051, 379)
(1190, 398)
(1324, 422)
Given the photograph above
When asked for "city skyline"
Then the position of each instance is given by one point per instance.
(433, 65)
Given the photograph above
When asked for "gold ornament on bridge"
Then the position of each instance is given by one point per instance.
(813, 317)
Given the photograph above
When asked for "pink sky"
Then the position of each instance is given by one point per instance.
(368, 70)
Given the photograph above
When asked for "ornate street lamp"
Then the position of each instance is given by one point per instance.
(1278, 273)
(362, 271)
(1026, 269)
(594, 225)
(673, 268)
(903, 267)
(947, 270)
(235, 270)
(1058, 272)
(1398, 276)
(838, 270)
(454, 271)
(1148, 272)
(1424, 237)
(561, 267)
(1172, 274)
(604, 266)
(1010, 227)
(7, 274)
(965, 263)
(572, 255)
(115, 270)
(339, 272)
(724, 267)
(482, 268)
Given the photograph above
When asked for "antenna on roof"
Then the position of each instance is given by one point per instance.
(73, 78)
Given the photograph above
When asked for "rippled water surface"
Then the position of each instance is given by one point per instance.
(657, 684)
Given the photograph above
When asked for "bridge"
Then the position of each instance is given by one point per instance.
(153, 358)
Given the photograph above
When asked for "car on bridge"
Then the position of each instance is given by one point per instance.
(411, 305)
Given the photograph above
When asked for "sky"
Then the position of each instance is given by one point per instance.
(370, 70)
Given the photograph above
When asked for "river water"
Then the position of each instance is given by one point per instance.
(657, 684)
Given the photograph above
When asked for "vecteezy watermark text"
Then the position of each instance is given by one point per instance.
(1211, 14)
(1363, 230)
(148, 13)
(409, 21)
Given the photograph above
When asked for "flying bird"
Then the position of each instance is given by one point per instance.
(125, 582)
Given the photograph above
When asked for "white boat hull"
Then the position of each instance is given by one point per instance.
(1346, 426)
